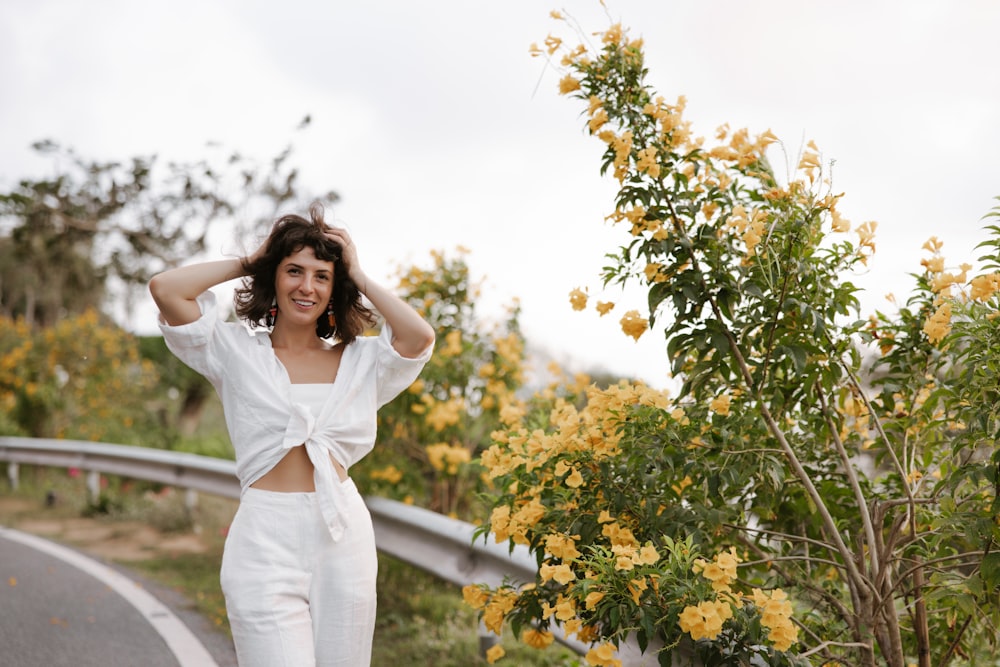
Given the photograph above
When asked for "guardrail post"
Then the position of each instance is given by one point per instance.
(94, 486)
(12, 474)
(190, 500)
(486, 639)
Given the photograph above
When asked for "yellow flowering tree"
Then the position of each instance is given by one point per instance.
(430, 435)
(81, 378)
(847, 466)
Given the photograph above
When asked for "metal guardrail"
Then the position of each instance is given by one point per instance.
(424, 539)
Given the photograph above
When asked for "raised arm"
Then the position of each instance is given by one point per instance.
(411, 334)
(175, 291)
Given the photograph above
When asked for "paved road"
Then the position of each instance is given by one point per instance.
(60, 608)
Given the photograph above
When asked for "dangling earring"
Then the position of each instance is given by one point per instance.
(271, 313)
(329, 316)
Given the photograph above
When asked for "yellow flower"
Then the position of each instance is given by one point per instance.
(720, 404)
(681, 485)
(866, 235)
(840, 223)
(474, 596)
(453, 344)
(809, 161)
(494, 653)
(776, 614)
(982, 288)
(633, 325)
(613, 35)
(934, 264)
(537, 638)
(578, 299)
(390, 474)
(568, 84)
(604, 307)
(598, 120)
(593, 598)
(705, 620)
(753, 235)
(646, 161)
(654, 272)
(562, 546)
(561, 573)
(603, 656)
(497, 608)
(648, 555)
(938, 325)
(575, 479)
(447, 458)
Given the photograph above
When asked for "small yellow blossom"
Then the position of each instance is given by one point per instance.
(604, 307)
(654, 272)
(720, 404)
(938, 325)
(474, 596)
(568, 84)
(839, 223)
(866, 235)
(646, 161)
(598, 120)
(561, 573)
(633, 325)
(982, 288)
(494, 653)
(648, 555)
(578, 299)
(603, 656)
(932, 244)
(537, 638)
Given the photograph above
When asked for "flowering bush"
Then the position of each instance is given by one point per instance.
(429, 436)
(81, 378)
(850, 461)
(581, 483)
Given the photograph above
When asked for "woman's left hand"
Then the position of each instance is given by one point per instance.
(348, 254)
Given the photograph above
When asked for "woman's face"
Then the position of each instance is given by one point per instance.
(303, 285)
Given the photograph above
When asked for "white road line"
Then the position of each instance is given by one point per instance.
(185, 646)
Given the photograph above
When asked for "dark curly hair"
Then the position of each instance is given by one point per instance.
(289, 234)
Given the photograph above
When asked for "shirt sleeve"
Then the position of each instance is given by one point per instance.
(195, 343)
(396, 372)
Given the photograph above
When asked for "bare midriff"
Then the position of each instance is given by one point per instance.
(294, 473)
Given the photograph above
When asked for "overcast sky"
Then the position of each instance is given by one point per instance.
(437, 129)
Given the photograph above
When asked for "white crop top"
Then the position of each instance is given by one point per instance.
(311, 395)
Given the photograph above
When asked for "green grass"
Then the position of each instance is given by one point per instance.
(194, 575)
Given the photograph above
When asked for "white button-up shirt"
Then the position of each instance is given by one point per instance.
(263, 420)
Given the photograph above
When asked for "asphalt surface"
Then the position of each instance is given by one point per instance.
(73, 611)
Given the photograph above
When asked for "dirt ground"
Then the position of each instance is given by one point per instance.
(161, 527)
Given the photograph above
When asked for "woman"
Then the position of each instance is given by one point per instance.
(298, 570)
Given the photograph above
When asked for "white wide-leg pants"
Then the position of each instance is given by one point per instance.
(294, 597)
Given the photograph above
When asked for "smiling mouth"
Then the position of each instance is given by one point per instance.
(304, 304)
